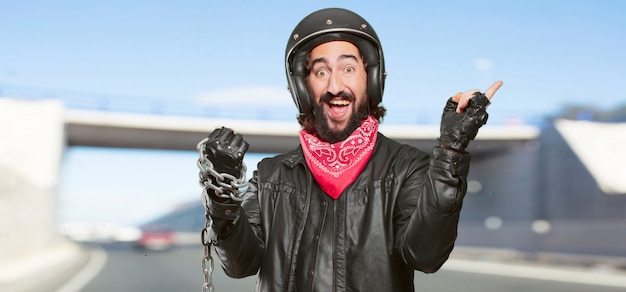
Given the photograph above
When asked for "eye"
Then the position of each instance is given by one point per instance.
(321, 73)
(349, 69)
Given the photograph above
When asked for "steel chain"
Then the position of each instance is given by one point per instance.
(207, 260)
(224, 185)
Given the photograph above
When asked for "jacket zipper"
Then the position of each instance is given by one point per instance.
(334, 285)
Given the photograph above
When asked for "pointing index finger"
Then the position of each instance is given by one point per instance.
(493, 88)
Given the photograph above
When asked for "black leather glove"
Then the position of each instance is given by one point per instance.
(225, 150)
(458, 129)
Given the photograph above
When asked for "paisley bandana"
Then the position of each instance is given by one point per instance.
(336, 166)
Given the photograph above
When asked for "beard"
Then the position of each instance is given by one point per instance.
(322, 126)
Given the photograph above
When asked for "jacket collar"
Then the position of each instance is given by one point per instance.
(294, 157)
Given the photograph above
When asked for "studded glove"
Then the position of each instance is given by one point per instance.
(225, 150)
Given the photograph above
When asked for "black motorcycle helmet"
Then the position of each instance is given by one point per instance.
(333, 24)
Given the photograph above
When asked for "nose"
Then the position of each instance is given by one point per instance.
(335, 84)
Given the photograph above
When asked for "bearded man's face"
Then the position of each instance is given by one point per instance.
(337, 84)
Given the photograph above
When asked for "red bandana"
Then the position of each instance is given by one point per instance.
(336, 166)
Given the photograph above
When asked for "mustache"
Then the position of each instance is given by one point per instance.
(326, 97)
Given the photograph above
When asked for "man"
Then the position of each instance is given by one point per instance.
(350, 209)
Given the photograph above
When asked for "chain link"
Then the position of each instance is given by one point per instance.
(224, 185)
(207, 260)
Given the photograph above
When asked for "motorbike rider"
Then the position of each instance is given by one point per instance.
(349, 209)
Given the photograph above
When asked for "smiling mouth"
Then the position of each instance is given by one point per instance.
(338, 108)
(339, 102)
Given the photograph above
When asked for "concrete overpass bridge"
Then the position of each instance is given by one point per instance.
(107, 129)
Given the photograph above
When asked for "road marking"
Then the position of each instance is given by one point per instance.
(580, 276)
(96, 262)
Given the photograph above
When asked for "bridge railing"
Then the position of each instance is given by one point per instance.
(422, 114)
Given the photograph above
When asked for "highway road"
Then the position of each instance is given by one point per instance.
(129, 269)
(178, 269)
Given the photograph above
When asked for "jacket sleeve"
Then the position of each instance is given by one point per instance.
(237, 234)
(429, 230)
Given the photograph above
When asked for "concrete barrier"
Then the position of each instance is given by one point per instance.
(31, 149)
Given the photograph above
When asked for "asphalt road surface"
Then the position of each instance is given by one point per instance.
(174, 270)
(179, 269)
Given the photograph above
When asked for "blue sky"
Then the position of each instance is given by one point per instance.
(548, 53)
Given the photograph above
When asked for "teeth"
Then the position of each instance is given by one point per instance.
(340, 102)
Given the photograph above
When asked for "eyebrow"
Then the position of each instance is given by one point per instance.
(341, 57)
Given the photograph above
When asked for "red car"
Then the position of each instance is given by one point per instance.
(156, 237)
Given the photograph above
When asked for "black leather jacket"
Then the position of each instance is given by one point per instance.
(400, 215)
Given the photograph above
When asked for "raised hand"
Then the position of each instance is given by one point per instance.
(226, 149)
(463, 115)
